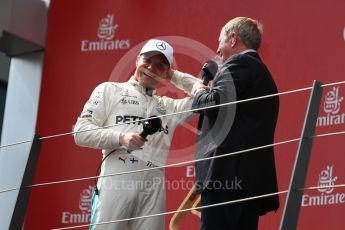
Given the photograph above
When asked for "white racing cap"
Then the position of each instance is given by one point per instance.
(159, 46)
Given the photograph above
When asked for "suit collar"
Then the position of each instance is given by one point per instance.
(251, 52)
(253, 55)
(248, 51)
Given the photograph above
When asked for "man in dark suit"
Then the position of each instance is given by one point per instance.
(237, 127)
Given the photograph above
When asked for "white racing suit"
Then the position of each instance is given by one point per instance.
(134, 194)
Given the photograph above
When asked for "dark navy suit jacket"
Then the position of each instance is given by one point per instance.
(237, 127)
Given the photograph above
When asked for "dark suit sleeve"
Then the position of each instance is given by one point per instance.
(204, 99)
(223, 91)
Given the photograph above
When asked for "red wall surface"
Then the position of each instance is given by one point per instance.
(302, 42)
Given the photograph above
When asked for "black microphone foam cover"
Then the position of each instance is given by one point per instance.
(209, 71)
(151, 126)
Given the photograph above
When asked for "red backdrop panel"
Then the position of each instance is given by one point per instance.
(90, 42)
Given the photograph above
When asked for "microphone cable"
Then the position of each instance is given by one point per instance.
(98, 171)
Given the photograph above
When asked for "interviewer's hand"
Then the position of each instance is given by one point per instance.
(131, 140)
(199, 85)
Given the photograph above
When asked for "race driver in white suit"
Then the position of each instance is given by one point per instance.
(112, 104)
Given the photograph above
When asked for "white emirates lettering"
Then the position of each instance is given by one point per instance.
(338, 198)
(75, 218)
(103, 45)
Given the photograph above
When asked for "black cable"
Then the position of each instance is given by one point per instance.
(98, 171)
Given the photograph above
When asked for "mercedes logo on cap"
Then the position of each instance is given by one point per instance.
(161, 45)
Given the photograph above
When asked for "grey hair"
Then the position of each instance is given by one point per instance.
(248, 30)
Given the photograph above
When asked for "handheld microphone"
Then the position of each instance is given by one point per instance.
(208, 70)
(151, 126)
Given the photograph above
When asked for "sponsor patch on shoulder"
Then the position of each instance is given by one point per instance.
(161, 108)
